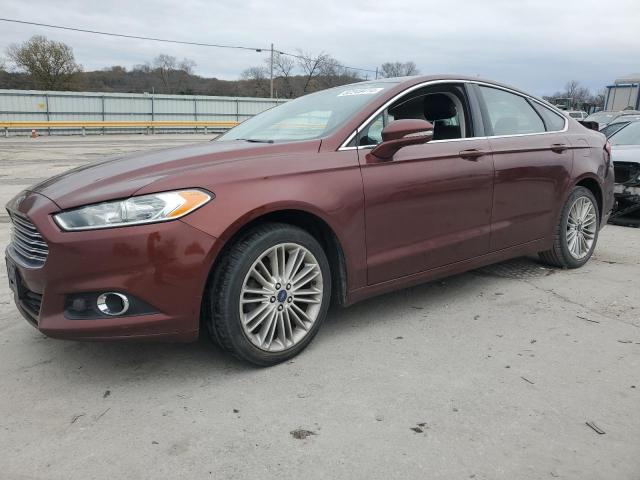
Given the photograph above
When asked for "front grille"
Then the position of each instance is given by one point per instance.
(28, 245)
(626, 171)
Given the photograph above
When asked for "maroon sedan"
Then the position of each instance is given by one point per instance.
(334, 197)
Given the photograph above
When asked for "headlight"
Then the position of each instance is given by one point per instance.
(156, 207)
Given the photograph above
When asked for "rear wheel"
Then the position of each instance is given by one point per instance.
(576, 235)
(270, 294)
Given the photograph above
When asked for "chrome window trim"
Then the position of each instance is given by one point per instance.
(344, 144)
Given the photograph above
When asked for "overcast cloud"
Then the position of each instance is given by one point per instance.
(536, 45)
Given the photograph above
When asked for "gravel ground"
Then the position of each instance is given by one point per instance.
(492, 374)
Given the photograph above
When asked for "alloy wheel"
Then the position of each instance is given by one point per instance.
(581, 227)
(281, 297)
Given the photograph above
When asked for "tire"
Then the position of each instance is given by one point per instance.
(567, 252)
(281, 311)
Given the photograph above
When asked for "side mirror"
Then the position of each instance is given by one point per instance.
(402, 133)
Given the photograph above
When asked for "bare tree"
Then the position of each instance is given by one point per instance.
(171, 71)
(283, 67)
(51, 64)
(599, 98)
(142, 67)
(577, 92)
(257, 79)
(398, 69)
(311, 66)
(187, 66)
(575, 95)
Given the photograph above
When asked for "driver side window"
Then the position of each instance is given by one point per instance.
(444, 106)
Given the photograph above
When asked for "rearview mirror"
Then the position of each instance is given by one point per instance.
(402, 133)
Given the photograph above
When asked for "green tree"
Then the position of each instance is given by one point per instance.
(50, 64)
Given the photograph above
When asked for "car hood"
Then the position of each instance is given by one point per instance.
(625, 153)
(122, 176)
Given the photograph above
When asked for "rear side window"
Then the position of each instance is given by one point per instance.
(552, 120)
(510, 114)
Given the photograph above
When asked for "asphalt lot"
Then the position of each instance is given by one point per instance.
(486, 375)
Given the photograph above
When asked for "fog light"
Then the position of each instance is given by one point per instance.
(79, 304)
(112, 303)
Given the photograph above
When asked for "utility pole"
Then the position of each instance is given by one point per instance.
(271, 68)
(376, 73)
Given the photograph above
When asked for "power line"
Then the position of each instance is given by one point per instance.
(301, 57)
(138, 37)
(167, 40)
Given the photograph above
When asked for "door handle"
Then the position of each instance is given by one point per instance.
(472, 154)
(559, 147)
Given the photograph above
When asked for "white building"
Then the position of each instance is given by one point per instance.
(623, 94)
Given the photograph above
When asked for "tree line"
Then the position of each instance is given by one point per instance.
(577, 97)
(44, 64)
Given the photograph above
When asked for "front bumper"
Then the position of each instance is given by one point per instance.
(165, 265)
(626, 190)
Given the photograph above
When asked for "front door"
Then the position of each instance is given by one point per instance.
(430, 205)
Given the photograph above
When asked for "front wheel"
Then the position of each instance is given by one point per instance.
(576, 235)
(270, 294)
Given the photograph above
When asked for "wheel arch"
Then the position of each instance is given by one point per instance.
(303, 218)
(593, 185)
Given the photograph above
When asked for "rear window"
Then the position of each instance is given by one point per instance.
(510, 114)
(553, 121)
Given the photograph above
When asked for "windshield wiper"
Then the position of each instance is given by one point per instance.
(256, 140)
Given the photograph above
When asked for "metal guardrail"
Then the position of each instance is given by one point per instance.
(22, 110)
(84, 125)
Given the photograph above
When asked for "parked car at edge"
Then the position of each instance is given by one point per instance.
(576, 114)
(604, 118)
(335, 197)
(618, 123)
(625, 153)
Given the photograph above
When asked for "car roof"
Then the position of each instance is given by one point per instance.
(415, 79)
(405, 82)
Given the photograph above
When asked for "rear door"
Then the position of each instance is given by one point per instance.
(533, 163)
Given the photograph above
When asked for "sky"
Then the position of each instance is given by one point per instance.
(535, 45)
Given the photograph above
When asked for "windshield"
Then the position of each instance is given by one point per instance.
(629, 135)
(305, 118)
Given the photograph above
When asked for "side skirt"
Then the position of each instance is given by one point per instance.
(448, 270)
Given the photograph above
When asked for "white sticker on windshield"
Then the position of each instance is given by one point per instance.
(360, 91)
